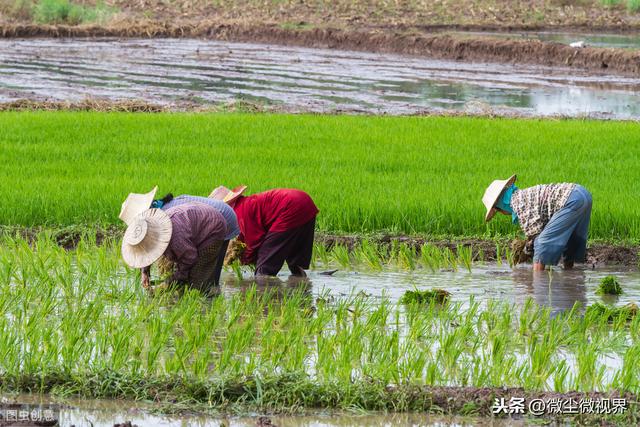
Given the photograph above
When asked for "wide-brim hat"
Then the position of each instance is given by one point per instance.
(135, 204)
(146, 238)
(226, 195)
(493, 192)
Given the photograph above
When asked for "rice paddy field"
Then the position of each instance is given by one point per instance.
(75, 321)
(407, 175)
(78, 324)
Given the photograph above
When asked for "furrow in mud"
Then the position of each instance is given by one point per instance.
(384, 39)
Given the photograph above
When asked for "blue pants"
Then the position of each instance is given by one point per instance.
(567, 231)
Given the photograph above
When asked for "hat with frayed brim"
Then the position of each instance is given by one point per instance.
(146, 238)
(135, 204)
(492, 194)
(226, 195)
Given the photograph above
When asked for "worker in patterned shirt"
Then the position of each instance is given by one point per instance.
(190, 235)
(555, 216)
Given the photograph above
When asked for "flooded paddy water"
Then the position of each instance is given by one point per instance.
(620, 41)
(559, 290)
(109, 413)
(190, 72)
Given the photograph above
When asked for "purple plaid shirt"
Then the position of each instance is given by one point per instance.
(195, 227)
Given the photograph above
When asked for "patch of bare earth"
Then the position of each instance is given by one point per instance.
(368, 13)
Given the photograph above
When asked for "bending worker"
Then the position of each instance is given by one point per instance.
(233, 230)
(189, 235)
(276, 226)
(555, 216)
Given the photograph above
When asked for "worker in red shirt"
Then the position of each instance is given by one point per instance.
(276, 226)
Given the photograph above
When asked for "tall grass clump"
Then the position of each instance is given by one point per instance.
(67, 12)
(633, 5)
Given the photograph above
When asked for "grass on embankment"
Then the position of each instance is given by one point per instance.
(78, 322)
(70, 12)
(402, 174)
(344, 13)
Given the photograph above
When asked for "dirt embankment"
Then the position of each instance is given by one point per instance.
(598, 254)
(382, 39)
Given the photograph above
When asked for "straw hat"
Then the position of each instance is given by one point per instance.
(226, 195)
(146, 238)
(136, 204)
(492, 194)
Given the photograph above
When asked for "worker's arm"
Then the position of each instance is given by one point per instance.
(253, 240)
(145, 274)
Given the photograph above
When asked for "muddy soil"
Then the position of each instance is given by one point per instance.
(455, 400)
(598, 254)
(387, 40)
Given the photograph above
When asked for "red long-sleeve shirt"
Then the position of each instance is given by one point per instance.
(272, 211)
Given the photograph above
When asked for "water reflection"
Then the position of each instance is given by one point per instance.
(557, 289)
(193, 72)
(106, 413)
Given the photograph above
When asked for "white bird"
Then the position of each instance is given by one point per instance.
(579, 44)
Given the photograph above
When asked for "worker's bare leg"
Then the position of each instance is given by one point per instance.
(538, 266)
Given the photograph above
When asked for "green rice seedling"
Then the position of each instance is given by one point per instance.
(498, 254)
(465, 256)
(438, 296)
(320, 254)
(237, 269)
(633, 5)
(367, 253)
(254, 347)
(609, 285)
(340, 255)
(352, 195)
(509, 255)
(431, 257)
(450, 259)
(404, 256)
(627, 312)
(627, 378)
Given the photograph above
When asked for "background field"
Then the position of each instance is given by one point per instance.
(318, 13)
(415, 175)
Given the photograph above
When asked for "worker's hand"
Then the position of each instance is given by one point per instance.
(528, 246)
(234, 252)
(146, 280)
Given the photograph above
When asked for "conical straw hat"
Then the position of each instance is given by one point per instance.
(136, 203)
(146, 238)
(226, 195)
(492, 194)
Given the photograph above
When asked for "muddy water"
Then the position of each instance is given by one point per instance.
(559, 290)
(106, 413)
(619, 41)
(180, 72)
